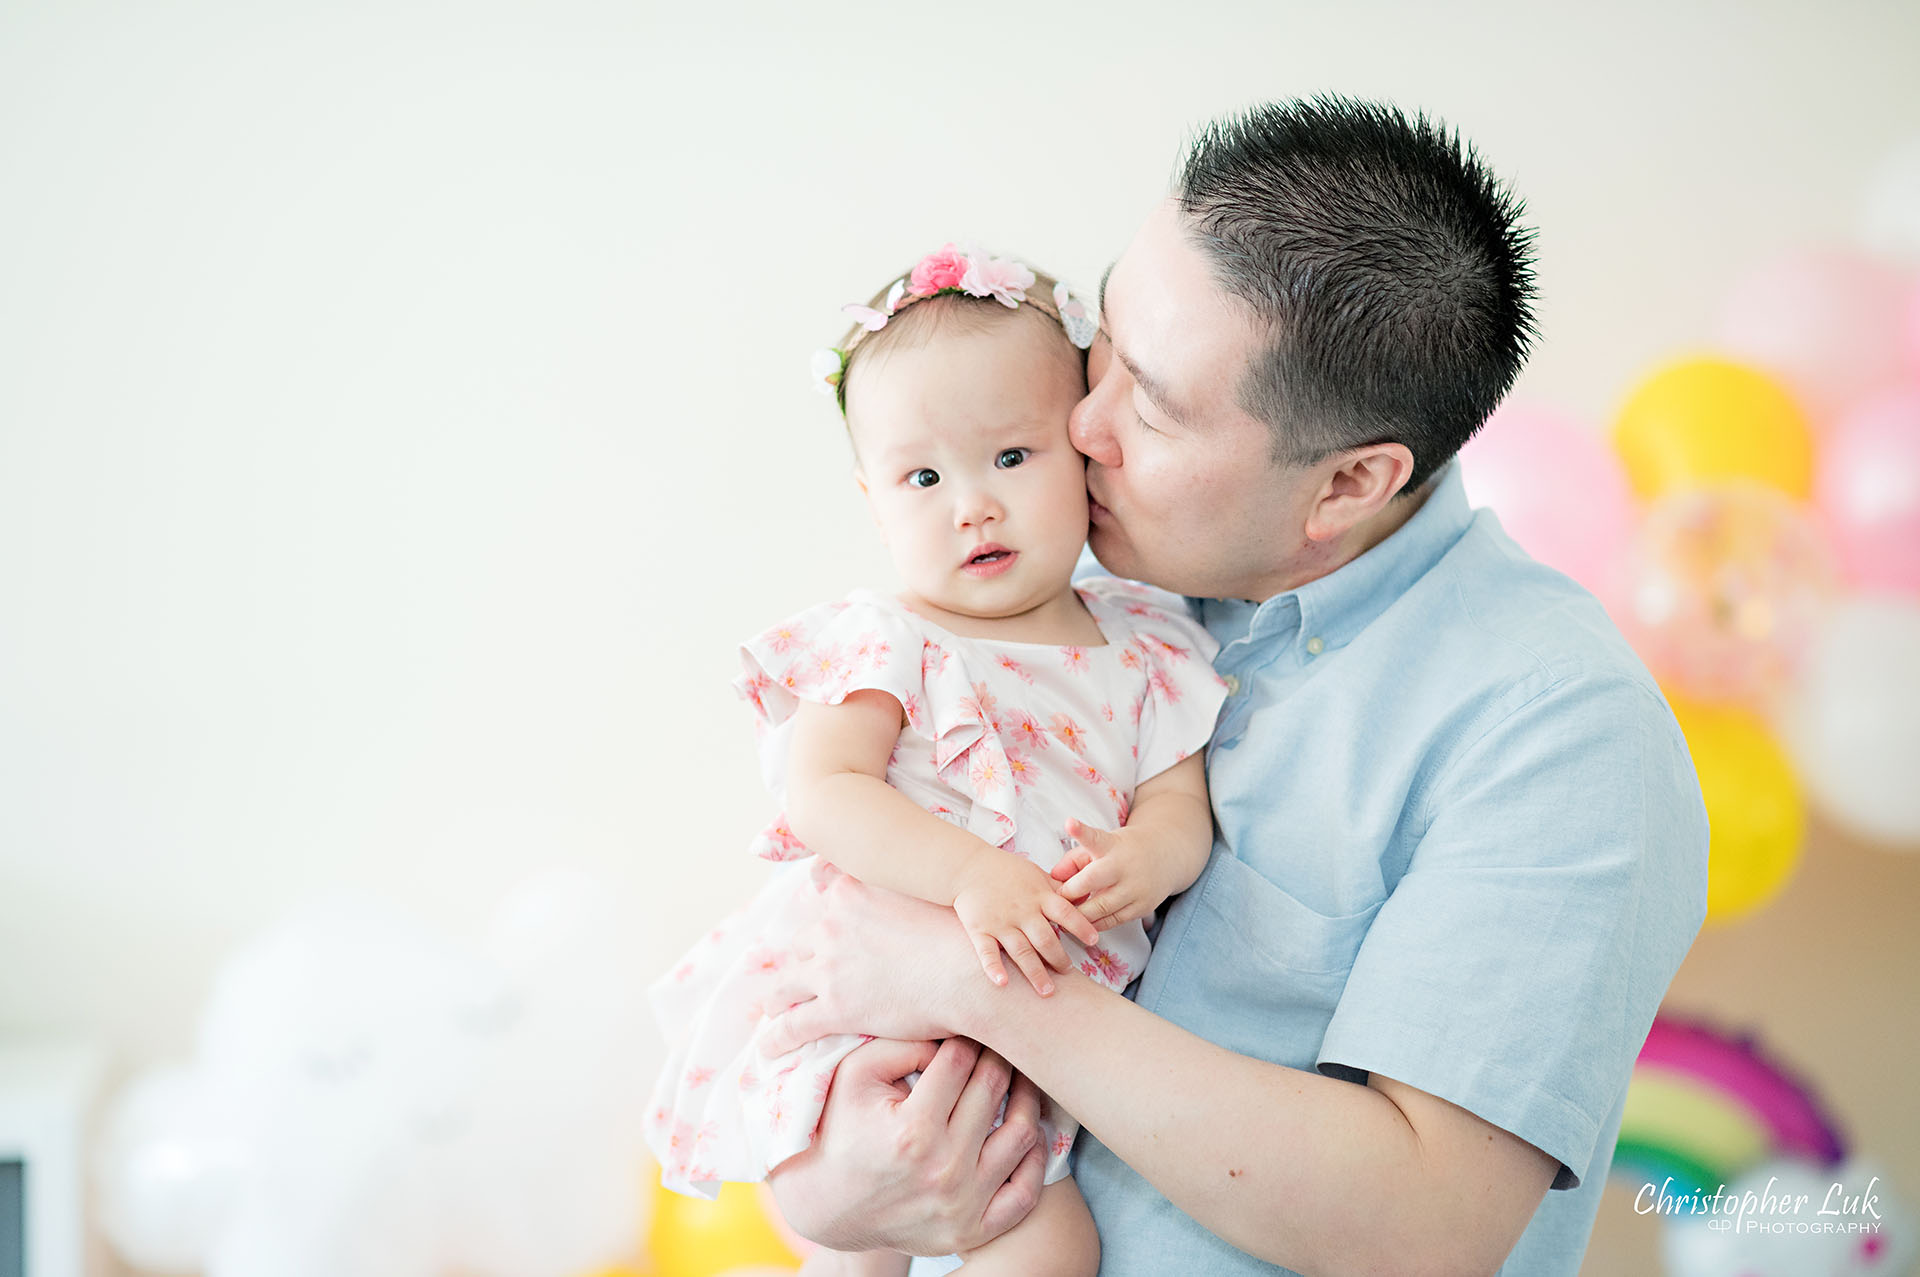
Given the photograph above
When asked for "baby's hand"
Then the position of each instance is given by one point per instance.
(1112, 875)
(1007, 902)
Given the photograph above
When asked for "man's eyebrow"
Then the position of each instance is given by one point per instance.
(1155, 391)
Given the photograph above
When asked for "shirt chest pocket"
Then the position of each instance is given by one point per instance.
(1257, 971)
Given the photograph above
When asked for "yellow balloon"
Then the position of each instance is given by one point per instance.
(1702, 419)
(695, 1238)
(1753, 802)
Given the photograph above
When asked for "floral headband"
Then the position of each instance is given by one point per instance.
(971, 273)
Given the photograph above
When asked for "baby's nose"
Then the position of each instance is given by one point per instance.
(975, 507)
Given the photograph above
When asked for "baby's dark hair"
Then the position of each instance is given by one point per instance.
(917, 321)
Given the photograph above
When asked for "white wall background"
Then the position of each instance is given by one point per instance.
(403, 409)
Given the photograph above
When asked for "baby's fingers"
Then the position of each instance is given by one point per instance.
(1097, 840)
(1020, 949)
(1046, 941)
(989, 950)
(1071, 920)
(1076, 859)
(1109, 909)
(1096, 877)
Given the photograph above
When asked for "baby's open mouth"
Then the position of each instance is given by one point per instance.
(990, 559)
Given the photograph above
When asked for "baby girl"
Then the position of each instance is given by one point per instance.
(991, 738)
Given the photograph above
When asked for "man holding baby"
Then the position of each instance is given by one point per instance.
(1459, 852)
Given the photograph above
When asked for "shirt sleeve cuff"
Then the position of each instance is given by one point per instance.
(1522, 1106)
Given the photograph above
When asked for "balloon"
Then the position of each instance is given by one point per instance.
(168, 1169)
(1722, 588)
(1770, 1223)
(1705, 418)
(1558, 490)
(1890, 213)
(1910, 333)
(1867, 488)
(695, 1238)
(401, 1104)
(1852, 721)
(1826, 323)
(1704, 1106)
(1753, 806)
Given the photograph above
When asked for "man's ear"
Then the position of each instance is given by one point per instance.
(1359, 488)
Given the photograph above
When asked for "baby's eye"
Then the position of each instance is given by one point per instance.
(923, 477)
(1010, 458)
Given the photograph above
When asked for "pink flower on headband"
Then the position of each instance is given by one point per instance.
(944, 269)
(1004, 280)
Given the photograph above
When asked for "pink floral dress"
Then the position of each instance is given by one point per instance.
(1005, 739)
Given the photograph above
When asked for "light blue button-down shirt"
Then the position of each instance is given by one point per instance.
(1458, 842)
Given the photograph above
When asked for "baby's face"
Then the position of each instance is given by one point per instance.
(965, 462)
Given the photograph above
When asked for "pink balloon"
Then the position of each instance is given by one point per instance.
(1558, 490)
(1866, 485)
(1910, 333)
(1828, 322)
(1728, 582)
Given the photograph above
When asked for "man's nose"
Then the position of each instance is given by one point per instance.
(1088, 426)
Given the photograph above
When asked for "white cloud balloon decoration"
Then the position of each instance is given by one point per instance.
(371, 1098)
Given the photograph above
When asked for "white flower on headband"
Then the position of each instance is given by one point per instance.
(1001, 278)
(828, 365)
(874, 320)
(1074, 317)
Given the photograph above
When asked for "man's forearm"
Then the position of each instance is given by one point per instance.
(1299, 1169)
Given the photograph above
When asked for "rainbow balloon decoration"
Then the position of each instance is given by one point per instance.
(1703, 1107)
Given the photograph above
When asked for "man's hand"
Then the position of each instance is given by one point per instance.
(880, 963)
(921, 1171)
(1007, 902)
(1114, 875)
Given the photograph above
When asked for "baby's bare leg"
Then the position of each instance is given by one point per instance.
(1058, 1238)
(867, 1263)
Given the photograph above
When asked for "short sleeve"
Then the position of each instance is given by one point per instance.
(1183, 695)
(827, 652)
(1516, 966)
(867, 642)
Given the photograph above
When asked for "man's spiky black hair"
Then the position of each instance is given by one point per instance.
(1385, 262)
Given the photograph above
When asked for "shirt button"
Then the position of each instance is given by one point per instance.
(1233, 685)
(1315, 646)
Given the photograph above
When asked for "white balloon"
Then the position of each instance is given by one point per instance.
(404, 1106)
(1869, 1226)
(549, 1179)
(168, 1168)
(1851, 720)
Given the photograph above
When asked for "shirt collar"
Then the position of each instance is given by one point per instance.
(1334, 608)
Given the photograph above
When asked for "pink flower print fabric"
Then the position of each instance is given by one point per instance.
(1007, 740)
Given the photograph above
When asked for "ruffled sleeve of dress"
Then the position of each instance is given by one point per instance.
(868, 641)
(1183, 694)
